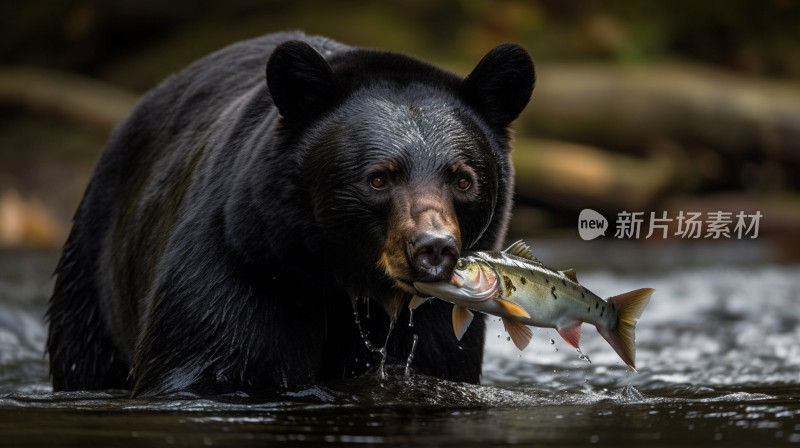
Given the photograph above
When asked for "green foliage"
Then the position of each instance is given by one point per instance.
(136, 46)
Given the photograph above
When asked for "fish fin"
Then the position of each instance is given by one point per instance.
(416, 301)
(571, 274)
(622, 337)
(512, 308)
(519, 332)
(522, 250)
(462, 317)
(571, 334)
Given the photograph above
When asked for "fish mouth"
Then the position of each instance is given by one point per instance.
(455, 289)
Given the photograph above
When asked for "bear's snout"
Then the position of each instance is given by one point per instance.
(433, 255)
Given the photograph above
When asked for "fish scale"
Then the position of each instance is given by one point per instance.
(517, 287)
(548, 311)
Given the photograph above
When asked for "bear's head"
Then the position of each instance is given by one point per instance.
(405, 164)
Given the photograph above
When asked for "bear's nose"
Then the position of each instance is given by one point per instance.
(433, 255)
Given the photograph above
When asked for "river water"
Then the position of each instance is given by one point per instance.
(718, 357)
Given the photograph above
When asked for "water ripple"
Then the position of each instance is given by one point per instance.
(717, 354)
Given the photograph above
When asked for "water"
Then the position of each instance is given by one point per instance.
(718, 355)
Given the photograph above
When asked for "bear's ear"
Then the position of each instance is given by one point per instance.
(300, 81)
(501, 84)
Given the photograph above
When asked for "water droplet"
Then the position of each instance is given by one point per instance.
(583, 357)
(411, 321)
(384, 353)
(552, 341)
(411, 355)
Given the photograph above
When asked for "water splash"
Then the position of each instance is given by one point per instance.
(411, 355)
(384, 353)
(361, 331)
(582, 356)
(382, 350)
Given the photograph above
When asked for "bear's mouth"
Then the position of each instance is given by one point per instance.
(404, 274)
(406, 285)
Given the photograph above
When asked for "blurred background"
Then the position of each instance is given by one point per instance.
(659, 107)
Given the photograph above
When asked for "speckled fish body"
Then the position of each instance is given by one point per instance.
(517, 287)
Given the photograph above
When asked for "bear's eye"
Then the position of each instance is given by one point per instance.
(463, 183)
(377, 182)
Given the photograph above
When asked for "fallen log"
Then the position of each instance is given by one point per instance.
(76, 98)
(27, 222)
(635, 108)
(569, 175)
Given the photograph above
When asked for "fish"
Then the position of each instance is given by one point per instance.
(517, 287)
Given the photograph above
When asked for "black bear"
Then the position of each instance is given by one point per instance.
(241, 221)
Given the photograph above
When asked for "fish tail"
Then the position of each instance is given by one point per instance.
(621, 336)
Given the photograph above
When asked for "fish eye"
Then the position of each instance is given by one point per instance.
(461, 265)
